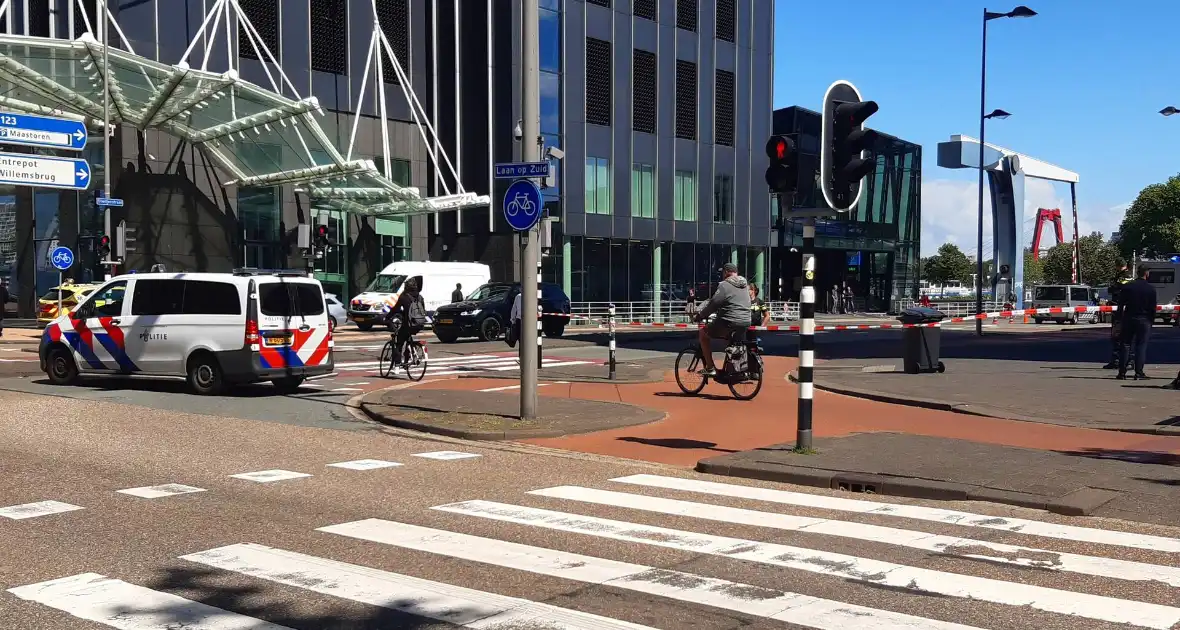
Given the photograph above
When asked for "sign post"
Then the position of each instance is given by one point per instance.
(61, 258)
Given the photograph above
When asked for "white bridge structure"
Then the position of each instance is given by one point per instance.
(220, 112)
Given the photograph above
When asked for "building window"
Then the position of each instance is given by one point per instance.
(686, 100)
(643, 91)
(686, 15)
(686, 196)
(727, 20)
(550, 85)
(264, 16)
(723, 199)
(598, 82)
(258, 212)
(645, 9)
(38, 18)
(329, 36)
(643, 191)
(394, 18)
(549, 35)
(597, 185)
(399, 170)
(724, 110)
(601, 3)
(85, 11)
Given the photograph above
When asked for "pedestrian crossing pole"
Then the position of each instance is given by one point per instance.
(806, 337)
(540, 254)
(611, 329)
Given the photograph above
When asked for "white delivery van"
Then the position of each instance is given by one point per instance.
(215, 329)
(438, 282)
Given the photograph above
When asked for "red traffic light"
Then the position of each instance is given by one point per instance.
(321, 230)
(780, 149)
(104, 240)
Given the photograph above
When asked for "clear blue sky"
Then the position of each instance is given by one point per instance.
(1084, 81)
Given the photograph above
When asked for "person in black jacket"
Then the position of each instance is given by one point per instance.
(1116, 327)
(1137, 303)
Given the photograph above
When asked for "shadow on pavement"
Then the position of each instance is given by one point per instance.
(678, 443)
(1133, 457)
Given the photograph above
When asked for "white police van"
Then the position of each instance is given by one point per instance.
(215, 329)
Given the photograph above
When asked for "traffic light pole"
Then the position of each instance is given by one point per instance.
(806, 338)
(106, 134)
(530, 124)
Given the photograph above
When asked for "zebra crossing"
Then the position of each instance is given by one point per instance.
(1027, 573)
(449, 366)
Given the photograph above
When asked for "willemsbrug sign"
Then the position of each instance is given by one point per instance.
(40, 170)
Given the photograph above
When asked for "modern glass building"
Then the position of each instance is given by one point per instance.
(874, 247)
(662, 108)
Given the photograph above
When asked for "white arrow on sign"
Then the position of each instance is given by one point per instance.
(82, 175)
(79, 135)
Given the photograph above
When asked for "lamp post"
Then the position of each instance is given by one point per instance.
(1018, 12)
(1169, 110)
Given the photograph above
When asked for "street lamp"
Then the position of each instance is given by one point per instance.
(1018, 12)
(1169, 110)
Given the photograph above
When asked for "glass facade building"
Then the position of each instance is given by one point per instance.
(874, 247)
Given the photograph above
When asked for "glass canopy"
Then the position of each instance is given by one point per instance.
(238, 124)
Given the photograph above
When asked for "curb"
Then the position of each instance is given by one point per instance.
(968, 409)
(374, 411)
(653, 376)
(1081, 502)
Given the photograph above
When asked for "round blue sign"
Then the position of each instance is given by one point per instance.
(522, 205)
(62, 258)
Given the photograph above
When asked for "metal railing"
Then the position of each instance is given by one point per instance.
(954, 309)
(595, 313)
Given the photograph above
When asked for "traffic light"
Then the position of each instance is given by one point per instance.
(844, 139)
(321, 237)
(103, 247)
(782, 175)
(120, 241)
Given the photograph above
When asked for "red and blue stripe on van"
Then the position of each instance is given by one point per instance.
(81, 339)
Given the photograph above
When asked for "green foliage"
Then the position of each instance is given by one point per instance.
(950, 263)
(1100, 262)
(1152, 223)
(1034, 270)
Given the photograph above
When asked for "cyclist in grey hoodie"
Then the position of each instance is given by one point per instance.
(731, 303)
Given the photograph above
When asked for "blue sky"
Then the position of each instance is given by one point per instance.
(1083, 80)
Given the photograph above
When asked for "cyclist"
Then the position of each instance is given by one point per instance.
(731, 303)
(410, 313)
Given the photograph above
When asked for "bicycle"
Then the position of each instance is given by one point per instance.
(743, 366)
(414, 357)
(521, 203)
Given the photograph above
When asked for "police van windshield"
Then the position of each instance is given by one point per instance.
(386, 283)
(1050, 293)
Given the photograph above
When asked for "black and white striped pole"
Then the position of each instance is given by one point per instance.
(611, 353)
(540, 359)
(806, 337)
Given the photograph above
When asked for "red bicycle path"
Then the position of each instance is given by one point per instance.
(714, 423)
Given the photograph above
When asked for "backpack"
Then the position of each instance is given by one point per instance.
(417, 311)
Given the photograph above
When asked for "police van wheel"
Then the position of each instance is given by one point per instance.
(204, 375)
(61, 368)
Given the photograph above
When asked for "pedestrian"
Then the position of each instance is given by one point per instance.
(3, 304)
(834, 300)
(457, 294)
(925, 301)
(759, 314)
(1116, 328)
(849, 301)
(1138, 303)
(690, 304)
(513, 333)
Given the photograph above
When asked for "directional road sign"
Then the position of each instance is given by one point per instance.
(39, 131)
(40, 170)
(517, 170)
(522, 205)
(110, 201)
(62, 258)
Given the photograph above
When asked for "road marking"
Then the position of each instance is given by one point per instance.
(917, 512)
(157, 492)
(446, 455)
(465, 607)
(785, 606)
(544, 364)
(347, 389)
(365, 464)
(267, 476)
(312, 386)
(440, 360)
(517, 386)
(876, 572)
(949, 545)
(118, 604)
(33, 510)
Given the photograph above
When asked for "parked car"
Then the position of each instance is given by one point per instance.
(70, 295)
(337, 312)
(485, 313)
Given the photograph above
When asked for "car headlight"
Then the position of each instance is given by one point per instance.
(471, 313)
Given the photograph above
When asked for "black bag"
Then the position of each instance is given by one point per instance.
(512, 335)
(736, 358)
(417, 311)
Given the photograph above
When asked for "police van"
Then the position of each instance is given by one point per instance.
(215, 329)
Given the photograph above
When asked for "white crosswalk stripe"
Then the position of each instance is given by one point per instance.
(448, 366)
(899, 563)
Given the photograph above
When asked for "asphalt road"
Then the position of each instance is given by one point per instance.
(507, 537)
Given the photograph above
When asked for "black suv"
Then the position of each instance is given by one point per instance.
(485, 313)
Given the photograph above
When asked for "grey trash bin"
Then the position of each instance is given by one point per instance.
(920, 351)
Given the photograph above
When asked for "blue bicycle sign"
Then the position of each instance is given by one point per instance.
(62, 258)
(522, 205)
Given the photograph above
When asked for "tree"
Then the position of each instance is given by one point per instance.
(1100, 262)
(1152, 223)
(1034, 270)
(950, 263)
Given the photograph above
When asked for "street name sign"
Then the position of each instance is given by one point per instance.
(110, 201)
(517, 170)
(41, 170)
(39, 131)
(522, 205)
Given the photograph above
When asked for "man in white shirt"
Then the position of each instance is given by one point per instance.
(513, 333)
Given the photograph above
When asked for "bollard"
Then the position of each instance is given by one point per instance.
(540, 358)
(611, 329)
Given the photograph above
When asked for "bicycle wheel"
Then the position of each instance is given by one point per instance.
(749, 387)
(688, 365)
(416, 366)
(385, 362)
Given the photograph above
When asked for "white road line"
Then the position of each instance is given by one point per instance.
(446, 455)
(33, 510)
(876, 572)
(157, 492)
(347, 389)
(543, 364)
(268, 476)
(465, 607)
(517, 386)
(117, 604)
(917, 512)
(949, 545)
(788, 607)
(365, 464)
